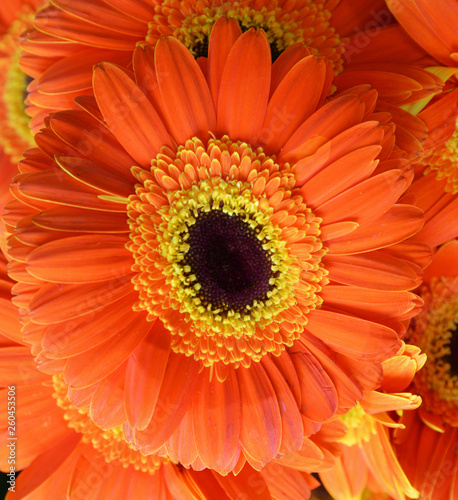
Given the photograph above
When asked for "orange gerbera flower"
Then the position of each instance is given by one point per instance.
(71, 37)
(15, 135)
(435, 189)
(241, 235)
(64, 455)
(369, 462)
(427, 448)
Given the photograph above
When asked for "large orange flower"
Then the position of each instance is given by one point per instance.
(428, 447)
(71, 37)
(64, 455)
(216, 248)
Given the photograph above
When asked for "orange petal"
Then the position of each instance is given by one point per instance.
(63, 25)
(55, 302)
(129, 114)
(396, 225)
(260, 433)
(218, 405)
(247, 482)
(107, 405)
(88, 330)
(353, 336)
(292, 428)
(245, 85)
(223, 36)
(295, 99)
(81, 259)
(373, 305)
(74, 72)
(108, 356)
(340, 175)
(79, 220)
(184, 91)
(366, 201)
(181, 446)
(58, 187)
(174, 400)
(319, 396)
(327, 122)
(374, 270)
(143, 379)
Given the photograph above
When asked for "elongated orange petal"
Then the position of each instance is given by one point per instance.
(129, 114)
(184, 91)
(55, 302)
(88, 330)
(347, 171)
(223, 36)
(174, 399)
(353, 336)
(69, 27)
(107, 405)
(260, 433)
(370, 304)
(294, 100)
(373, 270)
(143, 379)
(246, 81)
(79, 220)
(366, 201)
(319, 396)
(218, 405)
(394, 226)
(329, 121)
(247, 482)
(292, 428)
(81, 259)
(108, 356)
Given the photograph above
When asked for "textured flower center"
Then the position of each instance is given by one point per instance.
(15, 135)
(285, 23)
(435, 332)
(229, 261)
(219, 259)
(360, 426)
(110, 443)
(444, 161)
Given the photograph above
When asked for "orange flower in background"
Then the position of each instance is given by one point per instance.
(15, 134)
(432, 25)
(243, 236)
(428, 446)
(64, 455)
(70, 37)
(435, 188)
(369, 464)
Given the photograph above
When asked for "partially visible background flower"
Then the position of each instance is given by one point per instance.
(428, 446)
(369, 464)
(15, 135)
(70, 37)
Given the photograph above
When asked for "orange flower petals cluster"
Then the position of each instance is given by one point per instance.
(364, 40)
(108, 257)
(65, 455)
(431, 431)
